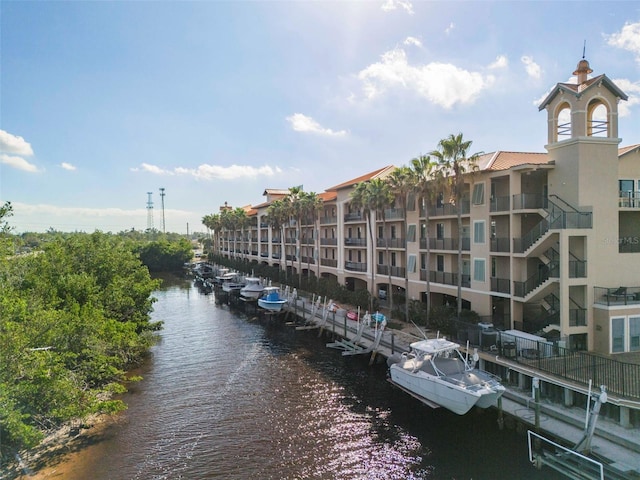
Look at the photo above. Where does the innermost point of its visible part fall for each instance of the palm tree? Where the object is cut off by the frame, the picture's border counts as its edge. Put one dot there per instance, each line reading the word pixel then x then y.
pixel 277 216
pixel 312 206
pixel 360 200
pixel 213 223
pixel 453 163
pixel 425 186
pixel 379 197
pixel 240 222
pixel 296 205
pixel 401 184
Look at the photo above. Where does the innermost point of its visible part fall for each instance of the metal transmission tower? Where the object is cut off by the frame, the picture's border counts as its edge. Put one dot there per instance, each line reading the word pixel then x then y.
pixel 149 211
pixel 162 199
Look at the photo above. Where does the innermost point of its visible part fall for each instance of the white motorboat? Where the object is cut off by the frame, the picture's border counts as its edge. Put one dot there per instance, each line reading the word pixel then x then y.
pixel 253 288
pixel 438 374
pixel 271 299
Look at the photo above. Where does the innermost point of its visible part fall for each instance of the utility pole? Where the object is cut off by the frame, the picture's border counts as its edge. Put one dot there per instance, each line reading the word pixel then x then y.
pixel 149 212
pixel 162 199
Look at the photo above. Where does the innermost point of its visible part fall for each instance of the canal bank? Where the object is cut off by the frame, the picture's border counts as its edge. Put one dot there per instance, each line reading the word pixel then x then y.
pixel 615 446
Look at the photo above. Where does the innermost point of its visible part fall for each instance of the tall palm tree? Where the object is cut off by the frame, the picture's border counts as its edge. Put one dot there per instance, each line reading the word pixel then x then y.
pixel 360 200
pixel 454 162
pixel 426 188
pixel 213 223
pixel 312 206
pixel 241 222
pixel 277 217
pixel 379 197
pixel 401 184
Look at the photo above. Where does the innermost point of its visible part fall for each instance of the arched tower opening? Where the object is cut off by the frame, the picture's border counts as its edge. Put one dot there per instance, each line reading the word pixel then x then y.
pixel 597 119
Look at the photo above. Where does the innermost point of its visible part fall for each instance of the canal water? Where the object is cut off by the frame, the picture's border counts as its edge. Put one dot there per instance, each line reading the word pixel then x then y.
pixel 228 396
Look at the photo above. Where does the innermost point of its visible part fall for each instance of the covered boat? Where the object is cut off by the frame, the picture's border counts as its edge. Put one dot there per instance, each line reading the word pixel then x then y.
pixel 253 288
pixel 271 299
pixel 437 373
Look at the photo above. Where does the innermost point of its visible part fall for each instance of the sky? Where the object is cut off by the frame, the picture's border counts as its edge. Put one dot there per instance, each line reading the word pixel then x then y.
pixel 103 103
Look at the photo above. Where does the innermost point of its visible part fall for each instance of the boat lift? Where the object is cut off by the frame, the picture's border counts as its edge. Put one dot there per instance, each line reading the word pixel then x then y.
pixel 354 347
pixel 575 462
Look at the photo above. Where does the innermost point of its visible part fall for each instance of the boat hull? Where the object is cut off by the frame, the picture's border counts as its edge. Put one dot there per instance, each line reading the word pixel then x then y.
pixel 273 306
pixel 434 389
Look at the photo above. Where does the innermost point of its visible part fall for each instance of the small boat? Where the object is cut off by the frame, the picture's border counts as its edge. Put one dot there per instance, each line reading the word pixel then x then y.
pixel 271 299
pixel 352 315
pixel 253 288
pixel 438 374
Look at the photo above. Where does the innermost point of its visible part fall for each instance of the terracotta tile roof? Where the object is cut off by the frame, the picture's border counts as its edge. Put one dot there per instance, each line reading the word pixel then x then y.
pixel 276 191
pixel 328 196
pixel 623 150
pixel 362 178
pixel 500 160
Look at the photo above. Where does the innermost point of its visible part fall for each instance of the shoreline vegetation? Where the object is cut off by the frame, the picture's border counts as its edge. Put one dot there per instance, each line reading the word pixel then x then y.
pixel 75 322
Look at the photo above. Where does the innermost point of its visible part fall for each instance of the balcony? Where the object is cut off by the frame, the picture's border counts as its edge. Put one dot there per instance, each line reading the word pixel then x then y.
pixel 500 285
pixel 391 242
pixel 328 220
pixel 355 242
pixel 353 217
pixel 329 262
pixel 499 204
pixel 445 278
pixel 448 209
pixel 500 245
pixel 394 214
pixel 328 241
pixel 445 244
pixel 392 270
pixel 355 266
pixel 629 200
pixel 616 296
pixel 529 201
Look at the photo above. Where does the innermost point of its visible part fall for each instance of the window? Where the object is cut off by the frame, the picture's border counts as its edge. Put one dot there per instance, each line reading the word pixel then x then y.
pixel 393 259
pixel 423 230
pixel 380 232
pixel 478 231
pixel 423 261
pixel 634 334
pixel 478 194
pixel 349 233
pixel 478 269
pixel 380 258
pixel 411 202
pixel 439 231
pixel 617 334
pixel 393 231
pixel 625 186
pixel 411 264
pixel 440 263
pixel 494 267
pixel 359 256
pixel 359 232
pixel 411 233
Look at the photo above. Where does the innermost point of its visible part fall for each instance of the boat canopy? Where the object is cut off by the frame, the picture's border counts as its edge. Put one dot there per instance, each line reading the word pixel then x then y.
pixel 434 345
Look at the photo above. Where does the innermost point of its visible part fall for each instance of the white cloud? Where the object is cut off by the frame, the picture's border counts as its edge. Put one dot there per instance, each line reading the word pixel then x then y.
pixel 628 39
pixel 532 68
pixel 68 166
pixel 449 28
pixel 413 41
pixel 302 123
pixel 390 5
pixel 440 83
pixel 633 91
pixel 209 172
pixel 18 163
pixel 500 62
pixel 13 144
pixel 232 172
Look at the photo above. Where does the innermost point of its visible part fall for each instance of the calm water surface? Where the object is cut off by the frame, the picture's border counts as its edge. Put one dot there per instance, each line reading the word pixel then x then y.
pixel 227 396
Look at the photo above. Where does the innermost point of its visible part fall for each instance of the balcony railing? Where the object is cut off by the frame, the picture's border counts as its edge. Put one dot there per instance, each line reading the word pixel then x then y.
pixel 355 266
pixel 577 268
pixel 328 241
pixel 629 200
pixel 445 278
pixel 522 289
pixel 393 270
pixel 616 296
pixel 391 242
pixel 501 285
pixel 500 244
pixel 355 242
pixel 394 214
pixel 499 204
pixel 328 262
pixel 448 209
pixel 529 201
pixel 328 220
pixel 445 244
pixel 353 217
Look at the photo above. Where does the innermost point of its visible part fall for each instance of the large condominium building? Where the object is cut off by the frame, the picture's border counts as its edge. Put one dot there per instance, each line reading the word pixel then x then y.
pixel 550 241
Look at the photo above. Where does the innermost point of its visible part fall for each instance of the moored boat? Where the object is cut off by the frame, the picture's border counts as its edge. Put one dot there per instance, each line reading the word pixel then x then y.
pixel 271 299
pixel 438 374
pixel 253 288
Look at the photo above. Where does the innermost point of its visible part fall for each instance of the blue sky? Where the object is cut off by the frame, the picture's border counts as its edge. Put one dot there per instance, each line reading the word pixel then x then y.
pixel 214 101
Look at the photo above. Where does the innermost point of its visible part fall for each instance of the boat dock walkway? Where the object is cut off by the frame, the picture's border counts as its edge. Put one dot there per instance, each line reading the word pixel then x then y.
pixel 614 445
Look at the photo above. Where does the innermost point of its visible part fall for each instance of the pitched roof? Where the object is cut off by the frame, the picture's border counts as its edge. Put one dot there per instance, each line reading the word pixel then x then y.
pixel 501 160
pixel 362 178
pixel 578 89
pixel 624 150
pixel 328 196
